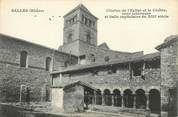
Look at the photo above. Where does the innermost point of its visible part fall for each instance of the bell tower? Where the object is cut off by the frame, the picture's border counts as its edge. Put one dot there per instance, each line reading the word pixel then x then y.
pixel 80 31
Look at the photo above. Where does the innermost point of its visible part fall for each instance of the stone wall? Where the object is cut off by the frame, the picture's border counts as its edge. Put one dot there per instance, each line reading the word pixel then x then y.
pixel 120 80
pixel 79 45
pixel 73 99
pixel 70 48
pixel 100 54
pixel 169 70
pixel 71 28
pixel 34 74
pixel 12 77
pixel 16 111
pixel 57 97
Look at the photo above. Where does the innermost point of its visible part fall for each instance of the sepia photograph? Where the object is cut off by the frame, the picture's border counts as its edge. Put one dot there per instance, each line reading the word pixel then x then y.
pixel 88 58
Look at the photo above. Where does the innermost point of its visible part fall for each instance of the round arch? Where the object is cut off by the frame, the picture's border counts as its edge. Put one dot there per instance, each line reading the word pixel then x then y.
pixel 140 99
pixel 128 98
pixel 117 98
pixel 107 97
pixel 154 101
pixel 152 87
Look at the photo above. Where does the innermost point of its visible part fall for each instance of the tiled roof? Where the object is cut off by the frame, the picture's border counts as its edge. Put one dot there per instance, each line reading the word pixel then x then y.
pixel 78 83
pixel 169 40
pixel 146 57
pixel 104 46
pixel 2 36
pixel 82 7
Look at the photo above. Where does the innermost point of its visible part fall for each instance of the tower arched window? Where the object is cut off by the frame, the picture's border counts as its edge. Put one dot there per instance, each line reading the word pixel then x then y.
pixel 86 21
pixel 92 57
pixel 23 59
pixel 90 23
pixel 48 64
pixel 69 38
pixel 83 18
pixel 93 23
pixel 88 37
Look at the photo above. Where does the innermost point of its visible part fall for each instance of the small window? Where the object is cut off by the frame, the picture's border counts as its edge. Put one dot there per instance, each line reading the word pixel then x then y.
pixel 69 38
pixel 88 37
pixel 137 69
pixel 75 18
pixel 86 21
pixel 92 57
pixel 83 18
pixel 66 63
pixel 112 71
pixel 89 23
pixel 48 64
pixel 106 58
pixel 23 59
pixel 152 64
pixel 82 59
pixel 72 20
pixel 93 24
pixel 69 21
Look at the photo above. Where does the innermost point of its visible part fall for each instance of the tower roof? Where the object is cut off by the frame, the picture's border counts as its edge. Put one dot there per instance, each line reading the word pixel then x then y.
pixel 82 7
pixel 168 41
pixel 104 46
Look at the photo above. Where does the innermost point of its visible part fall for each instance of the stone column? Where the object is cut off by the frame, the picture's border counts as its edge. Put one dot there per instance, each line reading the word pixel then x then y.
pixel 122 98
pixel 164 100
pixel 112 99
pixel 103 102
pixel 147 101
pixel 94 98
pixel 134 100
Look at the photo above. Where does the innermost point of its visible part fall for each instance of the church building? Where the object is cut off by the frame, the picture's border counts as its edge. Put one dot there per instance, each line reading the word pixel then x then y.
pixel 82 75
pixel 104 77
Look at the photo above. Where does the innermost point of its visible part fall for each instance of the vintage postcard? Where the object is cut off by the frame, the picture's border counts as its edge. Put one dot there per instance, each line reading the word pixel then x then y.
pixel 88 58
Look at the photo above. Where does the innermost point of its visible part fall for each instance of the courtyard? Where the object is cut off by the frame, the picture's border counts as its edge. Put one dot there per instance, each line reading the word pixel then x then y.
pixel 45 110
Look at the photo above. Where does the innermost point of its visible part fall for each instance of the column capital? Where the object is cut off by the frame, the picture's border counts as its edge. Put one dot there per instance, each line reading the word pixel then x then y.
pixel 146 93
pixel 121 93
pixel 134 94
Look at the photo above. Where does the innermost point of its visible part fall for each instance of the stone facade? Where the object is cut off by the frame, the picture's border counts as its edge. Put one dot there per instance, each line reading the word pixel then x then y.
pixel 79 26
pixel 34 74
pixel 58 97
pixel 169 71
pixel 157 80
pixel 80 38
pixel 121 79
pixel 73 99
pixel 134 79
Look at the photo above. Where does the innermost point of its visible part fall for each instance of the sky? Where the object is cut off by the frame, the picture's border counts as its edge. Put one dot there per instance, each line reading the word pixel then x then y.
pixel 130 35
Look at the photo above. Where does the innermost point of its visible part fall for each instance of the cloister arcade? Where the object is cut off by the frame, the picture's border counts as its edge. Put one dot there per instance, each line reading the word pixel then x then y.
pixel 139 99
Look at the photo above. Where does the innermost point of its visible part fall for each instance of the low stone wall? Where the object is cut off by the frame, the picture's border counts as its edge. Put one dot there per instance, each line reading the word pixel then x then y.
pixel 12 111
pixel 135 112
